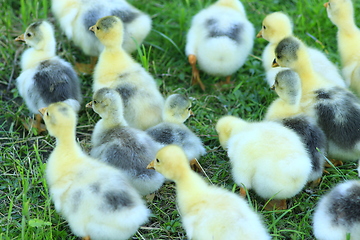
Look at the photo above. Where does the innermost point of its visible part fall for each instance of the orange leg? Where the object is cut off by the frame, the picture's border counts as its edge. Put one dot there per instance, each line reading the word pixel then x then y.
pixel 242 192
pixel 276 204
pixel 195 78
pixel 86 238
pixel 315 183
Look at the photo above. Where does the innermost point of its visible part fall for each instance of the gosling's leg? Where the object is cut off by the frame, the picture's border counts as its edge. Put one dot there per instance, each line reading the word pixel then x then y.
pixel 242 192
pixel 195 78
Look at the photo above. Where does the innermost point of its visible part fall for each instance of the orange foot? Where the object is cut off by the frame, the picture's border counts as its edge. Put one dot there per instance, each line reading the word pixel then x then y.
pixel 195 165
pixel 195 78
pixel 34 124
pixel 334 162
pixel 86 68
pixel 86 238
pixel 276 204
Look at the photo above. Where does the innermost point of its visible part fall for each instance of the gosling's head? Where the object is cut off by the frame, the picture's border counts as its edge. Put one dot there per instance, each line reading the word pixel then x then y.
pixel 339 10
pixel 171 162
pixel 108 104
pixel 39 35
pixel 227 126
pixel 177 108
pixel 289 52
pixel 288 86
pixel 109 30
pixel 60 119
pixel 275 27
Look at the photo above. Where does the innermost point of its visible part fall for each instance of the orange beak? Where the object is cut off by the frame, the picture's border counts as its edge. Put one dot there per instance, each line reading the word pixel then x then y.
pixel 89 105
pixel 326 4
pixel 42 111
pixel 275 64
pixel 151 165
pixel 272 87
pixel 259 35
pixel 20 38
pixel 92 28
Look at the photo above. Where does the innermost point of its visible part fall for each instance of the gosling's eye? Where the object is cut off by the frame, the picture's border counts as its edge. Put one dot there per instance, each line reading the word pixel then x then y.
pixel 189 108
pixel 29 34
pixel 157 160
pixel 97 28
pixel 264 27
pixel 47 113
pixel 95 102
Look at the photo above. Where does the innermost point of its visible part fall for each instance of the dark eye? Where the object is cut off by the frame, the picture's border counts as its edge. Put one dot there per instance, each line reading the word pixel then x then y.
pixel 47 113
pixel 157 160
pixel 95 102
pixel 264 27
pixel 189 108
pixel 97 28
pixel 28 34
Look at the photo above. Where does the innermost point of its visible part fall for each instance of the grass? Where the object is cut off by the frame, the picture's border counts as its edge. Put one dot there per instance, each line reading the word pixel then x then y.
pixel 26 212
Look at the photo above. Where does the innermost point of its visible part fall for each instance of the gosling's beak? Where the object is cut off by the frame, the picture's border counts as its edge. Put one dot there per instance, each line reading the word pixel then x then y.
pixel 272 87
pixel 42 111
pixel 89 105
pixel 92 28
pixel 151 165
pixel 20 38
pixel 275 64
pixel 191 113
pixel 326 4
pixel 259 35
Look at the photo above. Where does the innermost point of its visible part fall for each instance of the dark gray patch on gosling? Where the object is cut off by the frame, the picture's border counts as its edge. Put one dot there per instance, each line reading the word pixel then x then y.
pixel 90 17
pixel 126 16
pixel 127 91
pixel 233 32
pixel 313 138
pixel 107 22
pixel 95 188
pixel 117 200
pixel 76 198
pixel 345 207
pixel 55 82
pixel 287 49
pixel 168 134
pixel 124 151
pixel 338 112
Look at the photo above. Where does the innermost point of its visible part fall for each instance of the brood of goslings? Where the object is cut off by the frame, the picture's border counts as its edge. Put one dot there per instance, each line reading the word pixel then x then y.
pixel 336 109
pixel 45 78
pixel 286 110
pixel 277 26
pixel 76 16
pixel 341 13
pixel 207 212
pixel 220 39
pixel 172 130
pixel 126 148
pixel 265 156
pixel 143 102
pixel 96 199
pixel 337 214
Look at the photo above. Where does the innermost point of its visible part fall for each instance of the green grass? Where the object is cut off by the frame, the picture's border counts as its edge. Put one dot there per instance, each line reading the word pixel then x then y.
pixel 26 212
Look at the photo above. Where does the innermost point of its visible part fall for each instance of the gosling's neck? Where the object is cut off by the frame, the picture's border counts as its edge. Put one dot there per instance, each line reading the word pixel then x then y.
pixel 32 56
pixel 173 118
pixel 113 119
pixel 66 141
